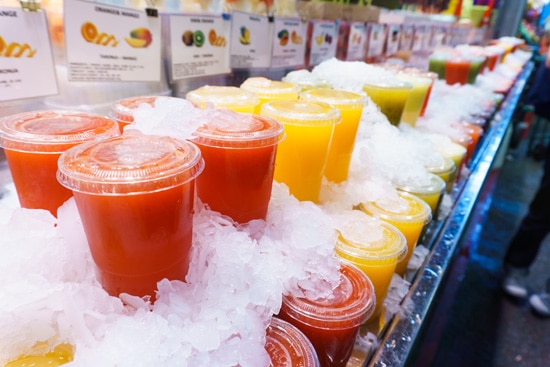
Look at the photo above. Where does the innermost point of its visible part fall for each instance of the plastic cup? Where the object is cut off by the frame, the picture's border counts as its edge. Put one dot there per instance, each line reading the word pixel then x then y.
pixel 417 96
pixel 446 170
pixel 373 246
pixel 456 152
pixel 302 156
pixel 270 90
pixel 305 80
pixel 474 131
pixel 456 70
pixel 350 106
pixel 287 346
pixel 38 357
pixel 33 142
pixel 409 214
pixel 231 98
pixel 476 66
pixel 135 195
pixel 436 64
pixel 122 110
pixel 239 152
pixel 332 323
pixel 390 97
pixel 430 191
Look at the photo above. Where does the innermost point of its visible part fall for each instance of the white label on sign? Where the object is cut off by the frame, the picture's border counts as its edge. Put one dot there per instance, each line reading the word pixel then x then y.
pixel 392 42
pixel 377 39
pixel 289 42
pixel 357 42
pixel 250 47
pixel 324 39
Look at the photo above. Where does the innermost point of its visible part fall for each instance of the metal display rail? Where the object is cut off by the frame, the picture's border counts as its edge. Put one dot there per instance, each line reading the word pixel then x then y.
pixel 398 339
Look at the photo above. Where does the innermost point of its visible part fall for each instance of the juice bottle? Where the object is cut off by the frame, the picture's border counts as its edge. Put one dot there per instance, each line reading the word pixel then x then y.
pixel 287 346
pixel 239 152
pixel 232 98
pixel 350 106
pixel 332 323
pixel 408 213
pixel 390 96
pixel 302 155
pixel 373 246
pixel 135 195
pixel 33 142
pixel 270 90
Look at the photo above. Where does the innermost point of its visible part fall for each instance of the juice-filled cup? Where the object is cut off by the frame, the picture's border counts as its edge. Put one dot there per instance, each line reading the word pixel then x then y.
pixel 477 63
pixel 436 64
pixel 419 92
pixel 302 155
pixel 456 70
pixel 456 152
pixel 390 96
pixel 305 80
pixel 430 190
pixel 287 346
pixel 231 98
pixel 33 142
pixel 135 196
pixel 38 357
pixel 122 110
pixel 332 323
pixel 373 246
pixel 446 170
pixel 407 213
pixel 350 106
pixel 474 131
pixel 270 90
pixel 239 153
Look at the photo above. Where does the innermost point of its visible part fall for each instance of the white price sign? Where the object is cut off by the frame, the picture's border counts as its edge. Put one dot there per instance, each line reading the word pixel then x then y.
pixel 249 45
pixel 289 42
pixel 357 42
pixel 324 40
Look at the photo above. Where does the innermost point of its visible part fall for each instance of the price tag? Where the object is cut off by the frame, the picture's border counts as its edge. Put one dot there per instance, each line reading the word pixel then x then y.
pixel 199 45
pixel 376 39
pixel 407 38
pixel 392 42
pixel 249 45
pixel 26 60
pixel 289 42
pixel 323 42
pixel 357 42
pixel 107 43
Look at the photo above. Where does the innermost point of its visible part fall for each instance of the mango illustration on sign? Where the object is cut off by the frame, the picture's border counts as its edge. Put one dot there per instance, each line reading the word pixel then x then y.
pixel 297 40
pixel 15 49
pixel 245 36
pixel 139 38
pixel 216 40
pixel 283 37
pixel 191 38
pixel 91 34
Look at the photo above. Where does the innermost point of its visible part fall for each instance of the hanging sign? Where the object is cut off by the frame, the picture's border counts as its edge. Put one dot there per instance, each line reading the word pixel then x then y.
pixel 107 43
pixel 407 37
pixel 289 42
pixel 26 61
pixel 249 45
pixel 392 41
pixel 357 42
pixel 323 41
pixel 376 39
pixel 198 46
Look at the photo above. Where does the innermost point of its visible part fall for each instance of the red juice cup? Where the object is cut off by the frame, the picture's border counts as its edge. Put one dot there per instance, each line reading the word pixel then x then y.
pixel 332 323
pixel 456 70
pixel 239 152
pixel 33 142
pixel 122 111
pixel 287 346
pixel 135 196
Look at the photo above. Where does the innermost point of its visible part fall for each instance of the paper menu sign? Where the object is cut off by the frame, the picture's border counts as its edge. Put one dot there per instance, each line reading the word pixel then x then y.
pixel 289 42
pixel 323 42
pixel 392 41
pixel 376 39
pixel 250 47
pixel 107 43
pixel 26 61
pixel 407 36
pixel 357 41
pixel 199 46
pixel 420 34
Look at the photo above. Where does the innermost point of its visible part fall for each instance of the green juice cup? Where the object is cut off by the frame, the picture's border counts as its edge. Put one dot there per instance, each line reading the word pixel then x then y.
pixel 390 96
pixel 415 101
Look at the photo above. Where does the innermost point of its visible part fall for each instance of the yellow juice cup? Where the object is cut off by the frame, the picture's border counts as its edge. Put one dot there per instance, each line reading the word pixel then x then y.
pixel 231 98
pixel 305 80
pixel 373 246
pixel 38 357
pixel 416 98
pixel 302 155
pixel 446 170
pixel 431 191
pixel 390 97
pixel 350 106
pixel 454 151
pixel 270 90
pixel 408 213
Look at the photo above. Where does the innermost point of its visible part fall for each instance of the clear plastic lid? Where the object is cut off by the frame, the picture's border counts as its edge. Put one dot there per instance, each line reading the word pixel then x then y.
pixel 287 346
pixel 335 97
pixel 445 165
pixel 367 238
pixel 264 87
pixel 414 79
pixel 434 185
pixel 132 163
pixel 405 208
pixel 53 131
pixel 123 109
pixel 301 112
pixel 222 97
pixel 388 83
pixel 350 304
pixel 230 129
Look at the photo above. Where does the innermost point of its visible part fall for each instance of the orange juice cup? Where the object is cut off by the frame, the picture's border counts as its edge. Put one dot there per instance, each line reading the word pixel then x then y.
pixel 38 356
pixel 415 101
pixel 288 346
pixel 446 170
pixel 350 106
pixel 409 214
pixel 135 195
pixel 332 323
pixel 456 70
pixel 123 110
pixel 239 152
pixel 373 246
pixel 33 142
pixel 302 155
pixel 270 90
pixel 231 98
pixel 431 191
pixel 474 131
pixel 390 97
